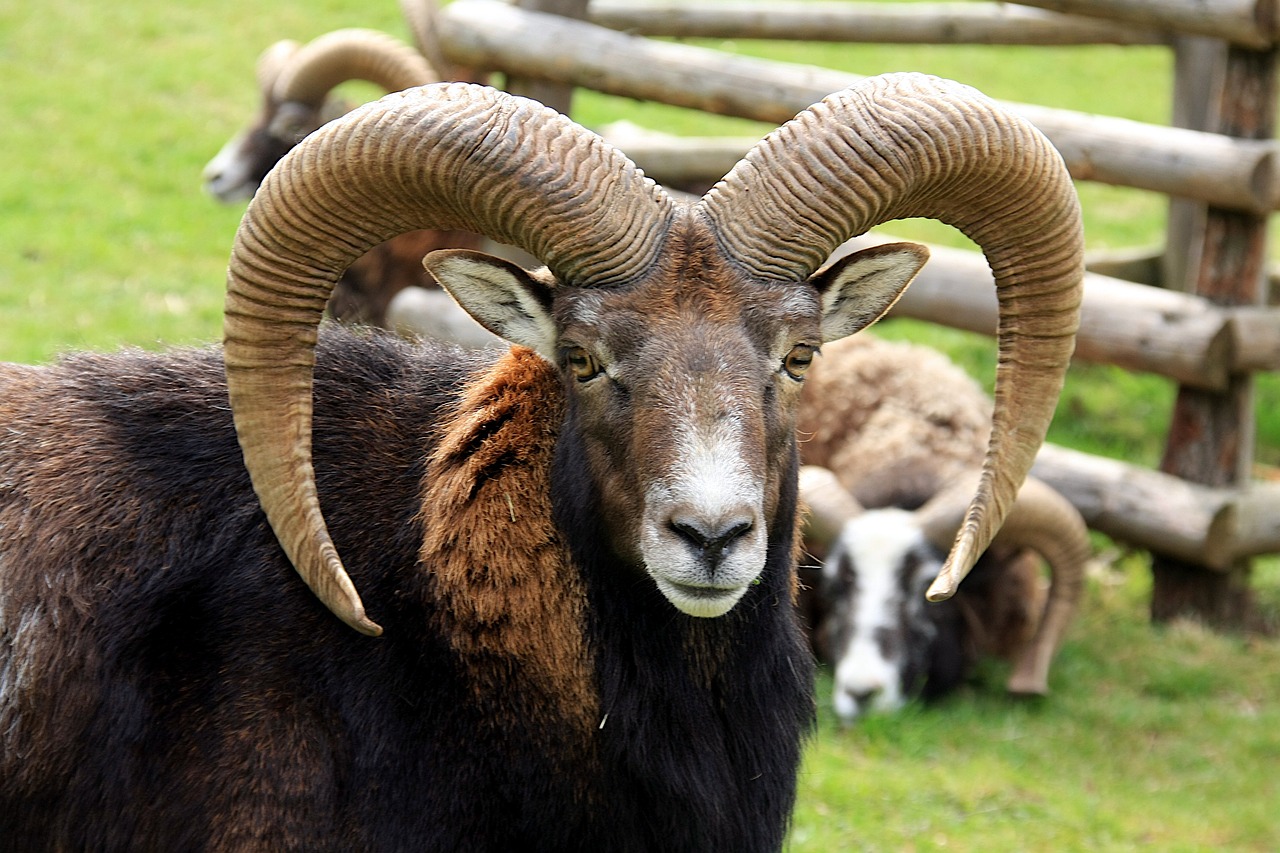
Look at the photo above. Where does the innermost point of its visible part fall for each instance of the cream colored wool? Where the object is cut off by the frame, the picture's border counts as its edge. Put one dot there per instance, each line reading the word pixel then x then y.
pixel 872 409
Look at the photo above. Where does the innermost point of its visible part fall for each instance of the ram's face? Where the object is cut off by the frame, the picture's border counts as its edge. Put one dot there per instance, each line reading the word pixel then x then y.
pixel 874 579
pixel 684 394
pixel 683 389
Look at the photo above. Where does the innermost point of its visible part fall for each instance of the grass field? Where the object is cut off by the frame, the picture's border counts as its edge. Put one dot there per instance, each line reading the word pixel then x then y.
pixel 1155 738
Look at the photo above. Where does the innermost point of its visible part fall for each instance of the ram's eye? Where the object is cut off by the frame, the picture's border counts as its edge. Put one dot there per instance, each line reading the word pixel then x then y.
pixel 582 364
pixel 798 361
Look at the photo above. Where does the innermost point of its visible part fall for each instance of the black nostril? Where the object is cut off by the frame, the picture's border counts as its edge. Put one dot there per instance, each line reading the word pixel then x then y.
pixel 689 533
pixel 711 543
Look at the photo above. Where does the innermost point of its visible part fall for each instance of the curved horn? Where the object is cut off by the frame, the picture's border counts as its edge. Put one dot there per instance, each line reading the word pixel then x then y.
pixel 272 61
pixel 829 506
pixel 354 54
pixel 905 145
pixel 1043 521
pixel 445 156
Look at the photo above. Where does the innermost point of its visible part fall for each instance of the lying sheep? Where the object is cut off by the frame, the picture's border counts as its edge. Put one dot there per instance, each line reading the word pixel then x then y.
pixel 580 553
pixel 896 426
pixel 296 84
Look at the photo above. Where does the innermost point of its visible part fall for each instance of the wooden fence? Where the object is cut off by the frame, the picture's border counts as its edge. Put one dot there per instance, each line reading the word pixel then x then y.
pixel 1208 328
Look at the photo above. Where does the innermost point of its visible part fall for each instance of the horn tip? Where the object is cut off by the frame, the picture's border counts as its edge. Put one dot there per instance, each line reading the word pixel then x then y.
pixel 350 609
pixel 339 594
pixel 365 625
pixel 953 571
pixel 1027 685
pixel 943 586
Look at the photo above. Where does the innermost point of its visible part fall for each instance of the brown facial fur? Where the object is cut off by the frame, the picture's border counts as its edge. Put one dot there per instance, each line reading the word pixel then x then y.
pixel 701 329
pixel 508 588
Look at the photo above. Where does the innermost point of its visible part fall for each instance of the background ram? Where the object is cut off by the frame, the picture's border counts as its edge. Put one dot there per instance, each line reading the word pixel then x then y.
pixel 296 84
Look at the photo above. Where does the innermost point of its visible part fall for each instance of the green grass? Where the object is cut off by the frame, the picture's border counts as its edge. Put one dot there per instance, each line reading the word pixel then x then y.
pixel 1156 739
pixel 1160 739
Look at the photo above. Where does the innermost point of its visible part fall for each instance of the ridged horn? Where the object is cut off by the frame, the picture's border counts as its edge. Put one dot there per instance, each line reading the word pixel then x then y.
pixel 829 506
pixel 329 60
pixel 447 156
pixel 1043 521
pixel 911 145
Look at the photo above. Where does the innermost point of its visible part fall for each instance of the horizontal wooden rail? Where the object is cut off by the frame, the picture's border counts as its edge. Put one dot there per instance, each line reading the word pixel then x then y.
pixel 1216 169
pixel 1248 23
pixel 1212 527
pixel 874 23
pixel 1167 333
pixel 677 160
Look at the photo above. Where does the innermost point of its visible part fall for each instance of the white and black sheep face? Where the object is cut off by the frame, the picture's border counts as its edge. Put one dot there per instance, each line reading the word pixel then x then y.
pixel 877 632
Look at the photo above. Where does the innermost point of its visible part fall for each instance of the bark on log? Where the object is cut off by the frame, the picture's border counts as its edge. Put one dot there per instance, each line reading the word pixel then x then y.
pixel 1248 23
pixel 1203 525
pixel 678 160
pixel 1140 265
pixel 1255 338
pixel 872 23
pixel 1233 174
pixel 1136 327
pixel 1211 435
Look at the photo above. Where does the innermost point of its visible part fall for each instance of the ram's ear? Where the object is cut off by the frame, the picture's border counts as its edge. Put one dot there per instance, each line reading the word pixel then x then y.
pixel 501 296
pixel 857 290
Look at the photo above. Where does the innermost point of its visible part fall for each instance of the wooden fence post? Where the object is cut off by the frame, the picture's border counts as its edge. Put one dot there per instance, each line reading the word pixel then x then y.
pixel 1199 63
pixel 1211 434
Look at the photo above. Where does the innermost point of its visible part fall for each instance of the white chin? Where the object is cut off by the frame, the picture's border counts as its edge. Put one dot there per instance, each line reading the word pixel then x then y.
pixel 847 708
pixel 703 602
pixel 232 195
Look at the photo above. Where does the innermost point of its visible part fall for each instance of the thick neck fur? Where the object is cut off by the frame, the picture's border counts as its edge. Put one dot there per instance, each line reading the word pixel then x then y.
pixel 179 688
pixel 702 716
pixel 512 603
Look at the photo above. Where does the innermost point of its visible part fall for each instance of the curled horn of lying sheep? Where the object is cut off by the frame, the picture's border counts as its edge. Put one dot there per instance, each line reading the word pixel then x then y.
pixel 898 146
pixel 885 643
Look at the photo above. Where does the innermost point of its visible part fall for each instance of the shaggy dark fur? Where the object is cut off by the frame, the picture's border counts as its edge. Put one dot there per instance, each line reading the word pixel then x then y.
pixel 167 682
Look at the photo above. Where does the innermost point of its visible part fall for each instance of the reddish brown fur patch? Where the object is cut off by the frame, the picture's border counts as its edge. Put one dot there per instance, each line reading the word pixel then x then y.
pixel 513 600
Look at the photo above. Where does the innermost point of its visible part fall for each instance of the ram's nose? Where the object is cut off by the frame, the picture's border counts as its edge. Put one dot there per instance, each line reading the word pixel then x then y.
pixel 711 538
